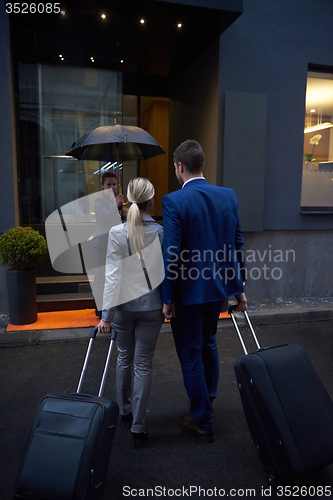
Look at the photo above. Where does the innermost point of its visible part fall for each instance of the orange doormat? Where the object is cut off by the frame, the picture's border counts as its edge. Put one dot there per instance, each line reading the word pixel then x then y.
pixel 56 320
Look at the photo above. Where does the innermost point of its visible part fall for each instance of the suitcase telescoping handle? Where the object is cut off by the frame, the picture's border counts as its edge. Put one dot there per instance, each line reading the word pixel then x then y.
pixel 107 362
pixel 231 311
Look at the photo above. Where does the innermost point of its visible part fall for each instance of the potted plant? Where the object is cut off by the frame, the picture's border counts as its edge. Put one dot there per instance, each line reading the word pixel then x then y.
pixel 21 248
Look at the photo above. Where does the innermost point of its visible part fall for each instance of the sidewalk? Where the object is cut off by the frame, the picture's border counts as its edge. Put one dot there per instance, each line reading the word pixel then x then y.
pixel 172 461
pixel 261 312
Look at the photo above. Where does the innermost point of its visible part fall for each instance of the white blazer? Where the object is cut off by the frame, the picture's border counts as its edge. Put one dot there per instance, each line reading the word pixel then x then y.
pixel 126 285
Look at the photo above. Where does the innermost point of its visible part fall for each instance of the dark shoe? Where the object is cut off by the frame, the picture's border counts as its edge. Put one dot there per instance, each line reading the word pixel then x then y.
pixel 127 419
pixel 139 438
pixel 189 425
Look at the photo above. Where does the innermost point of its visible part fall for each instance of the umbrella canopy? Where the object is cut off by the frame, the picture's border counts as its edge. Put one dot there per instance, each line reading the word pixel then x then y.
pixel 116 143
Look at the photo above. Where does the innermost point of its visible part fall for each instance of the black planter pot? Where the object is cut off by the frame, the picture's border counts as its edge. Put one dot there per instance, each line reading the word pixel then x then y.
pixel 21 286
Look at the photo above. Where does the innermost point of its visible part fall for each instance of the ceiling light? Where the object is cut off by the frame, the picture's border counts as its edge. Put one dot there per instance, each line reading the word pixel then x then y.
pixel 142 21
pixel 103 16
pixel 312 110
pixel 320 126
pixel 179 25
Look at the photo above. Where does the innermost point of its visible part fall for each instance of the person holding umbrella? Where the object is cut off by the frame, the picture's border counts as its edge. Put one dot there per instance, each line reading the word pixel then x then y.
pixel 103 206
pixel 116 143
pixel 137 321
pixel 109 182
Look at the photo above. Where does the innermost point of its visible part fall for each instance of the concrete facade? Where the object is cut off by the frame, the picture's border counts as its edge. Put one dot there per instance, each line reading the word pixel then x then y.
pixel 266 52
pixel 289 264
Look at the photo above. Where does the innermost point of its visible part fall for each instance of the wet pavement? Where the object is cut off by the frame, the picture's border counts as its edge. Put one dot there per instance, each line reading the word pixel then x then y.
pixel 173 464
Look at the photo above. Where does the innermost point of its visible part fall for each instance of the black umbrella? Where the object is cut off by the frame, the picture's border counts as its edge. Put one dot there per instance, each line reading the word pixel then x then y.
pixel 116 143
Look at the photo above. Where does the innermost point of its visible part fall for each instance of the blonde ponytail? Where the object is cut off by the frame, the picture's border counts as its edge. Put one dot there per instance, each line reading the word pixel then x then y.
pixel 139 191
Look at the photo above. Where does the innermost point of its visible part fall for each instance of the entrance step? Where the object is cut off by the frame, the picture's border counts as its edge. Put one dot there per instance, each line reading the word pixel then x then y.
pixel 63 293
pixel 64 302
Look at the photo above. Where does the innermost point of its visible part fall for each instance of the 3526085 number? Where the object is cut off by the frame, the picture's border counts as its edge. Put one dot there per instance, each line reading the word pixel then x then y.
pixel 33 8
pixel 303 491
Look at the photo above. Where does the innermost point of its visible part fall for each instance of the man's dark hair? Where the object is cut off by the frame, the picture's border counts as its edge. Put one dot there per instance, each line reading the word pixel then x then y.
pixel 191 155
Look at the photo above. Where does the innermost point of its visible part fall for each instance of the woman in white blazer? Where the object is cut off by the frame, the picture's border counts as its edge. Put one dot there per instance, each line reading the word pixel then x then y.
pixel 132 302
pixel 105 214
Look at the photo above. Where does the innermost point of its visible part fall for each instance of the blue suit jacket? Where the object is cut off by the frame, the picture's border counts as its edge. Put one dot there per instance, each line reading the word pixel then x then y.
pixel 203 244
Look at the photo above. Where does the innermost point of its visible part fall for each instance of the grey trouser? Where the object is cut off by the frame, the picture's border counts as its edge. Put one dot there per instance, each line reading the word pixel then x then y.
pixel 137 352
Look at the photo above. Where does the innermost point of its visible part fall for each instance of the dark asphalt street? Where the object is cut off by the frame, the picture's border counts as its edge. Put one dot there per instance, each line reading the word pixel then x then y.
pixel 172 464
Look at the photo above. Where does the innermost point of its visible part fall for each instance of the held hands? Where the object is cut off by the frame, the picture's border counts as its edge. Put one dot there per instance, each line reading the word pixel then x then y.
pixel 104 327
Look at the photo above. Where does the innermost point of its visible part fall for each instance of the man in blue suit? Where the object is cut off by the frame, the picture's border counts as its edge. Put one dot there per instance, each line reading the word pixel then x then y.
pixel 204 265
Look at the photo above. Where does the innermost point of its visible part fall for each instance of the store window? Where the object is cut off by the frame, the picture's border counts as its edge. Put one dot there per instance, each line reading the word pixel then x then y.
pixel 317 177
pixel 57 105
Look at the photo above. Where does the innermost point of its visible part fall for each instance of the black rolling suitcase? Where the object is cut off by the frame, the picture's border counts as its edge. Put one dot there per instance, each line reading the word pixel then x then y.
pixel 68 450
pixel 288 410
